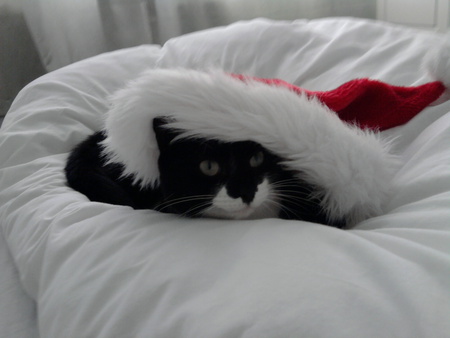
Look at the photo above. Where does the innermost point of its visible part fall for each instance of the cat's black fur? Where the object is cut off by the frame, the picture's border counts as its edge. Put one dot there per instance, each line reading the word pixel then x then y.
pixel 183 188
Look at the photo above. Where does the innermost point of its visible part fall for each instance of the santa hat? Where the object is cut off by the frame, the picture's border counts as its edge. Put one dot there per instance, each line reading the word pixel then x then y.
pixel 350 166
pixel 369 103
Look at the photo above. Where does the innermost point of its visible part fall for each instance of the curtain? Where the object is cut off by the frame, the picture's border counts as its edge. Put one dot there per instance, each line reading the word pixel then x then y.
pixel 128 23
pixel 66 31
pixel 176 17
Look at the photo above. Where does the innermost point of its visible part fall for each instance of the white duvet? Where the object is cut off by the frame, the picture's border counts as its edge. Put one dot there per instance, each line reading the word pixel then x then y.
pixel 98 270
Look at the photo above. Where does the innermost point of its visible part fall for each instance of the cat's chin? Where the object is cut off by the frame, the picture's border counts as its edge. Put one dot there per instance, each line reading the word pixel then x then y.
pixel 226 207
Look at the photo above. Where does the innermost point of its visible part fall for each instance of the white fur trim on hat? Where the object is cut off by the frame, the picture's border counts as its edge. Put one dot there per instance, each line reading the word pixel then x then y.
pixel 352 168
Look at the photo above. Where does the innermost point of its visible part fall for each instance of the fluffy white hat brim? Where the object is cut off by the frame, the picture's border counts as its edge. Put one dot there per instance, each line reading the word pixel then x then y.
pixel 352 168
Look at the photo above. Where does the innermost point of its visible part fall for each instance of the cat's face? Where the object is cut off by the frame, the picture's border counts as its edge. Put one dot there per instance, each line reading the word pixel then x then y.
pixel 239 180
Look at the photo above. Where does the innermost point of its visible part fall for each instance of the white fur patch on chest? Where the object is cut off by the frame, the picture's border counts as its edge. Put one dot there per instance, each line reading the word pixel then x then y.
pixel 262 206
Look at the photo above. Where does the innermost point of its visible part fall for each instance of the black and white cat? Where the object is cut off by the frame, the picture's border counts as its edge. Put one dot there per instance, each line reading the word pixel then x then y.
pixel 199 178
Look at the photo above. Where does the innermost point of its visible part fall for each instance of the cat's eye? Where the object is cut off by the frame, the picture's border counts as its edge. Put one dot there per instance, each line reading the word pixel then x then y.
pixel 257 159
pixel 209 168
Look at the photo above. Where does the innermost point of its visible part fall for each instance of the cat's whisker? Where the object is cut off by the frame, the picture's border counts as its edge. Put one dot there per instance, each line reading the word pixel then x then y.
pixel 293 192
pixel 273 202
pixel 293 186
pixel 167 206
pixel 295 180
pixel 201 207
pixel 280 206
pixel 288 180
pixel 184 198
pixel 289 208
pixel 293 198
pixel 172 202
pixel 297 202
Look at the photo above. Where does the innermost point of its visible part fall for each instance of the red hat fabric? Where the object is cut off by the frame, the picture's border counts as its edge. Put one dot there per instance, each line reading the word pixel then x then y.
pixel 370 103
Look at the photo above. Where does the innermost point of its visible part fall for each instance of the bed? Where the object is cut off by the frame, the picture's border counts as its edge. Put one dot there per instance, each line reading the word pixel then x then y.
pixel 75 268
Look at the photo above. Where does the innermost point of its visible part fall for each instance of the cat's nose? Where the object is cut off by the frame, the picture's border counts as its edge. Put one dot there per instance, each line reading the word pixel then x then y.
pixel 236 190
pixel 247 197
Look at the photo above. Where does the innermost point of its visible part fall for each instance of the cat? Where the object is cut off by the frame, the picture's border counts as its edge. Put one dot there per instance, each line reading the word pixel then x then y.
pixel 199 178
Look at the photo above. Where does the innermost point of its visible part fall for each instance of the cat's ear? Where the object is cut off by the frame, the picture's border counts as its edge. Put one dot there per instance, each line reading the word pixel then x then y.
pixel 163 134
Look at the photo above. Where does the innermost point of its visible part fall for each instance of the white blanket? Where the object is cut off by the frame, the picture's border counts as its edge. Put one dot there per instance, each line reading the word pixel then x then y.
pixel 98 270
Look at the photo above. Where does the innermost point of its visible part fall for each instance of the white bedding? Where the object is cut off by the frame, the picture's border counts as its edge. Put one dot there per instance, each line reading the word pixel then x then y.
pixel 98 270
